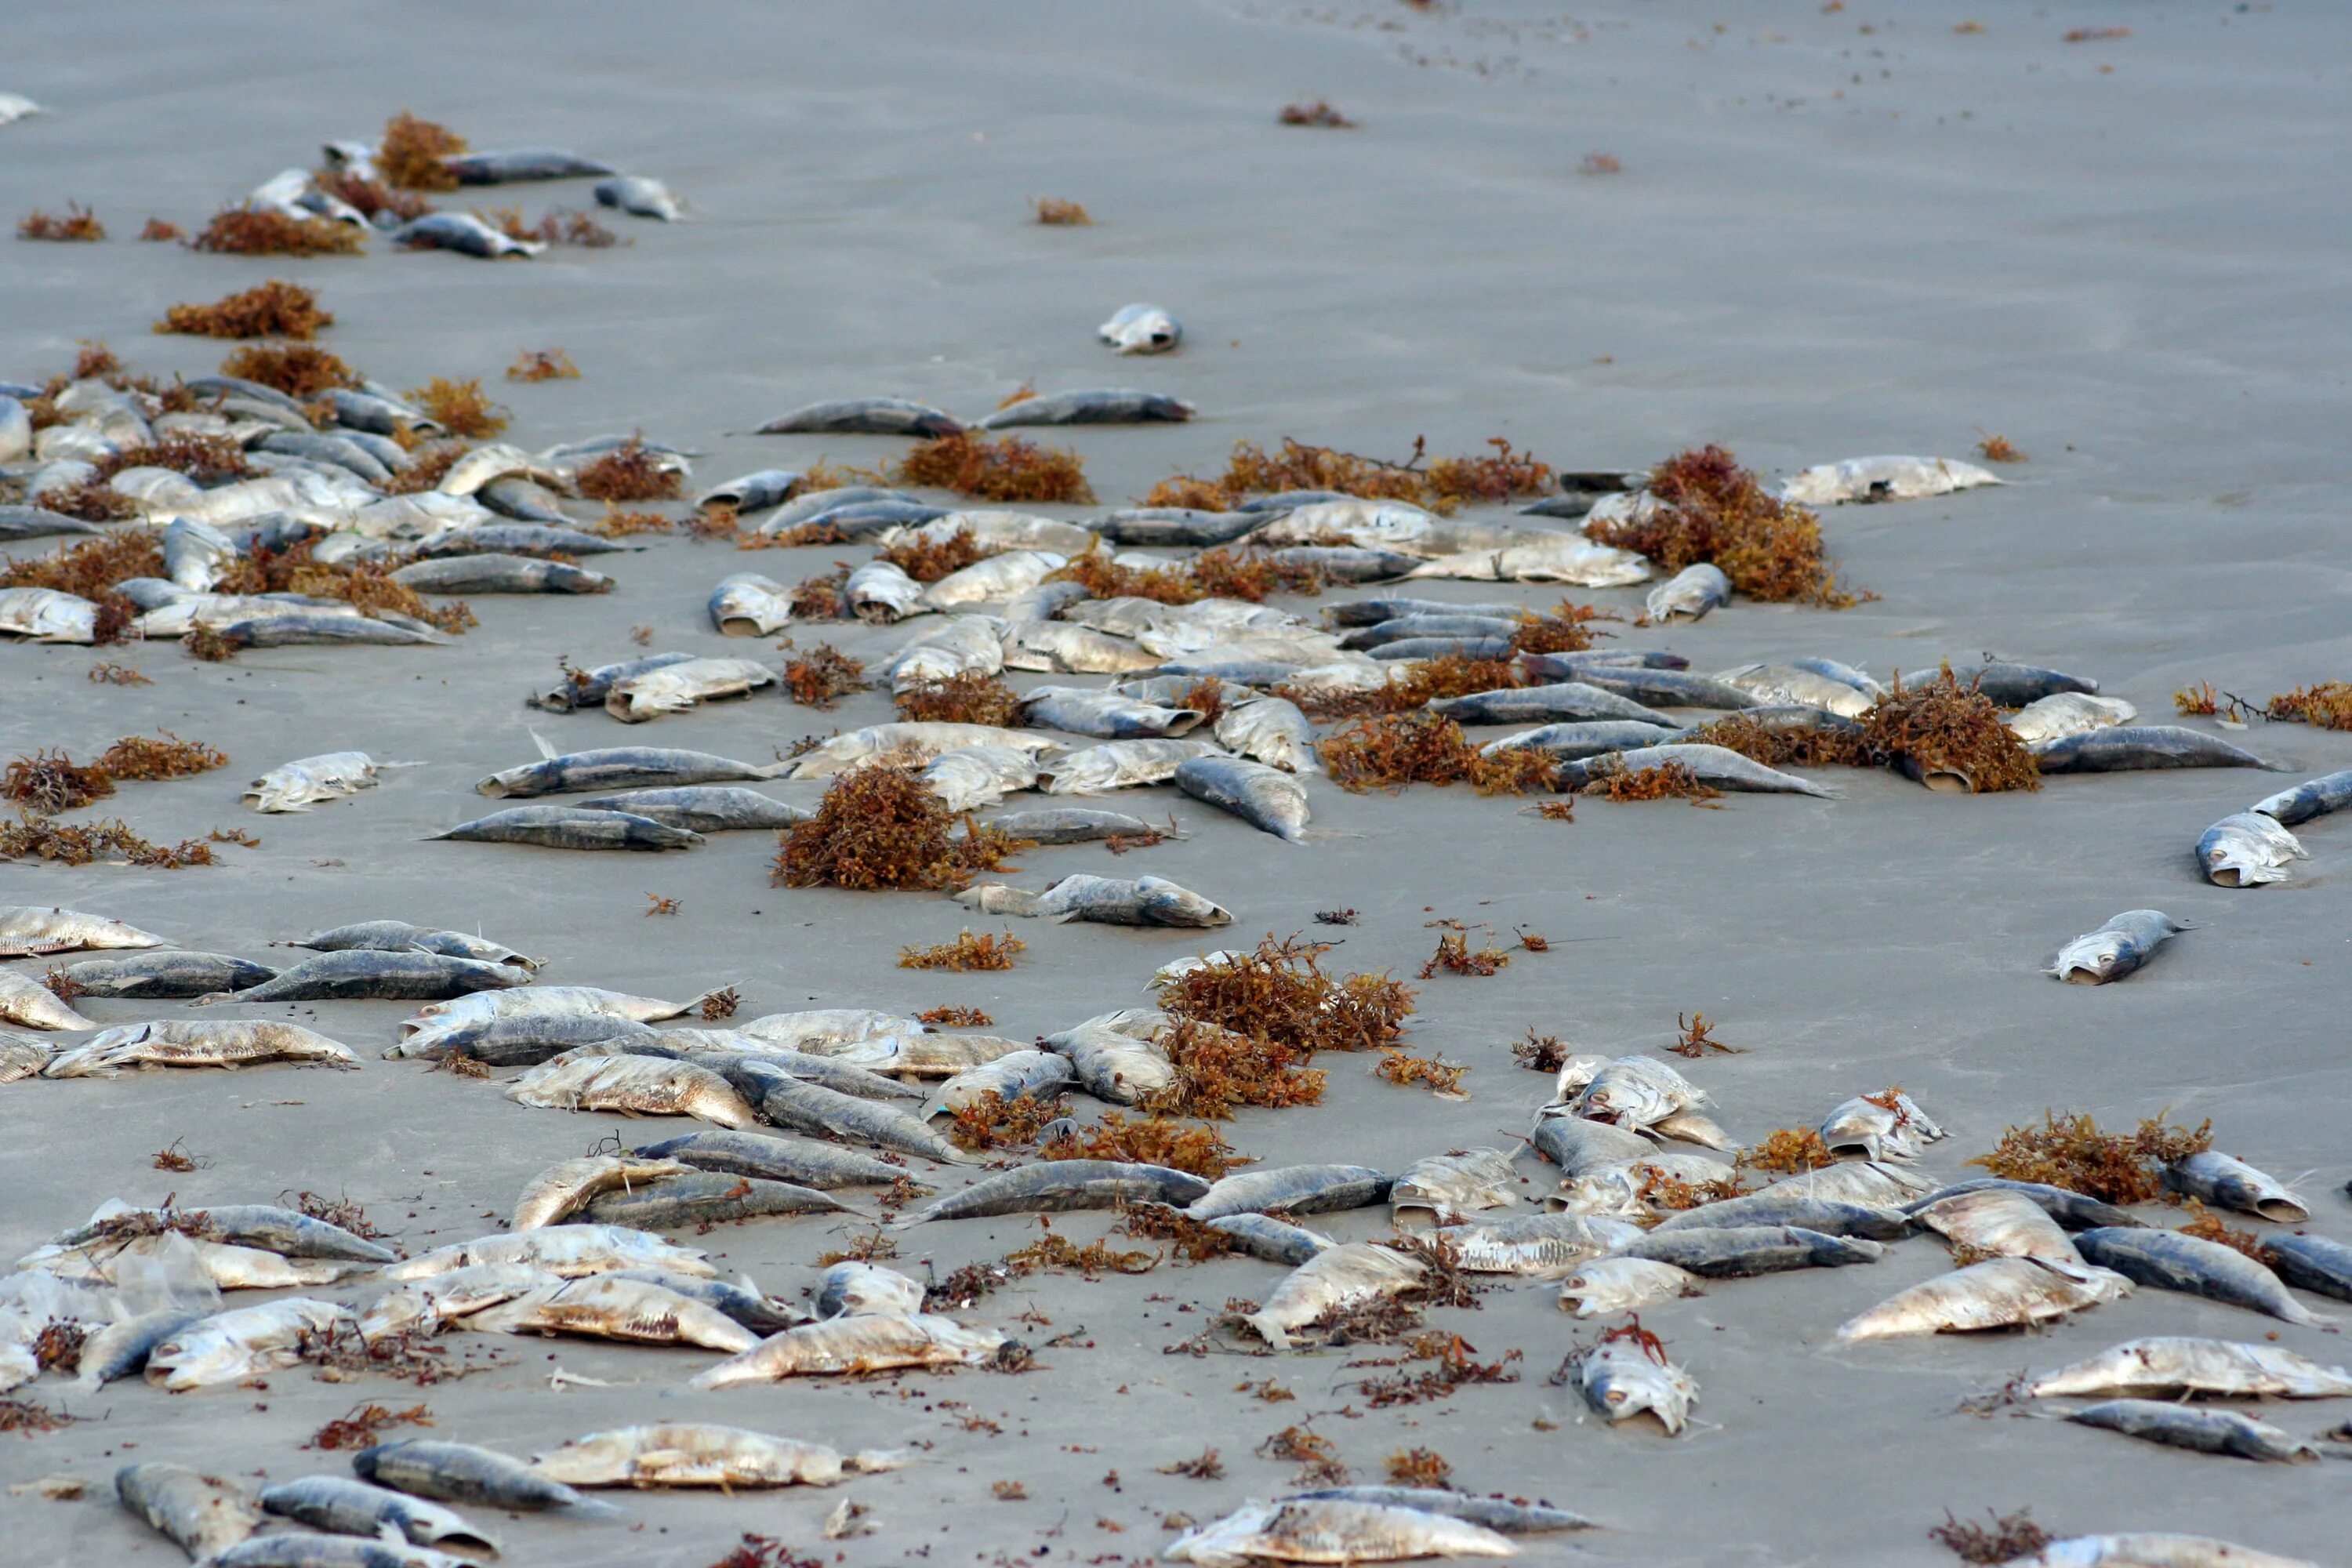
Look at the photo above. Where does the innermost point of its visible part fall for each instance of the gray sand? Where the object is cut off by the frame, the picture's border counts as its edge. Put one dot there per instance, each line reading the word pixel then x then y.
pixel 1828 241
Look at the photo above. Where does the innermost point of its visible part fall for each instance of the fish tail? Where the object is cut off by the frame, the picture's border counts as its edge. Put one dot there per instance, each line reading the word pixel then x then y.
pixel 596 1508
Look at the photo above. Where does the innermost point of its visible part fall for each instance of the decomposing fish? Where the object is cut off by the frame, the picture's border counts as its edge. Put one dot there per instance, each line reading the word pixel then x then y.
pixel 2071 1209
pixel 33 930
pixel 805 1106
pixel 979 776
pixel 1787 686
pixel 2130 748
pixel 918 1054
pixel 755 492
pixel 196 1043
pixel 319 627
pixel 1786 1206
pixel 1080 711
pixel 427 1305
pixel 2152 1550
pixel 21 1057
pixel 2116 949
pixel 541 540
pixel 1292 1190
pixel 1074 824
pixel 413 976
pixel 1879 1183
pixel 305 782
pixel 868 1343
pixel 288 1232
pixel 702 808
pixel 1452 1186
pixel 1888 1126
pixel 2178 1367
pixel 1999 1293
pixel 2006 685
pixel 853 1288
pixel 568 826
pixel 1267 798
pixel 1107 407
pixel 2315 797
pixel 1113 1065
pixel 246 1341
pixel 2063 713
pixel 1277 1241
pixel 1016 1075
pixel 2312 1263
pixel 1146 902
pixel 1060 646
pixel 1999 1223
pixel 1690 594
pixel 1618 1284
pixel 1062 1184
pixel 1558 702
pixel 120 1348
pixel 709 1197
pixel 2168 1260
pixel 639 195
pixel 1659 687
pixel 910 743
pixel 202 1514
pixel 1355 1274
pixel 1882 480
pixel 606 1307
pixel 992 580
pixel 463 232
pixel 622 767
pixel 967 645
pixel 2207 1431
pixel 572 1251
pixel 342 1505
pixel 48 615
pixel 1579 1145
pixel 1330 1530
pixel 817 1028
pixel 2216 1178
pixel 459 1472
pixel 226 1266
pixel 635 1086
pixel 754 1066
pixel 1718 767
pixel 700 1454
pixel 563 1190
pixel 1426 625
pixel 509 165
pixel 675 687
pixel 2246 849
pixel 1121 765
pixel 492 572
pixel 1537 1247
pixel 27 1001
pixel 1735 1253
pixel 1140 330
pixel 1272 730
pixel 863 417
pixel 37 521
pixel 1621 1377
pixel 880 592
pixel 1503 1516
pixel 541 1001
pixel 744 1303
pixel 747 604
pixel 1637 1092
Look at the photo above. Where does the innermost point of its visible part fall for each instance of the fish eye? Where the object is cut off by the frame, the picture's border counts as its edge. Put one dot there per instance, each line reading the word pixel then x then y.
pixel 1615 1397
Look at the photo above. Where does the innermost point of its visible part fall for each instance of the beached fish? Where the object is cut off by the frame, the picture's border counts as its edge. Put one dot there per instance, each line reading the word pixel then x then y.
pixel 853 1289
pixel 427 1305
pixel 959 646
pixel 2064 713
pixel 979 776
pixel 1659 687
pixel 120 1348
pixel 2173 1367
pixel 639 195
pixel 1621 1378
pixel 568 826
pixel 1080 711
pixel 813 504
pixel 1109 406
pixel 511 164
pixel 2246 849
pixel 2312 1263
pixel 1690 594
pixel 2168 1260
pixel 1999 1223
pixel 992 581
pixel 2152 1550
pixel 24 1000
pixel 1292 1190
pixel 816 1028
pixel 1172 527
pixel 226 1266
pixel 1058 1186
pixel 463 232
pixel 572 1251
pixel 1503 1516
pixel 1730 1254
pixel 33 930
pixel 1075 824
pixel 1420 626
pixel 635 1086
pixel 542 540
pixel 493 573
pixel 1331 1529
pixel 858 1345
pixel 1888 1126
pixel 1063 648
pixel 324 629
pixel 1782 685
pixel 563 1190
pixel 701 1455
pixel 702 808
pixel 288 1232
pixel 1277 1241
pixel 881 593
pixel 1267 798
pixel 47 615
pixel 863 417
pixel 248 1341
pixel 1140 330
pixel 709 1197
pixel 1016 1075
pixel 1541 558
pixel 1271 730
pixel 352 972
pixel 761 1155
pixel 1879 1183
pixel 342 1505
pixel 1453 1185
pixel 1619 1284
pixel 1637 1092
pixel 1882 480
pixel 622 767
pixel 606 1307
pixel 1558 702
pixel 1354 1275
pixel 1715 766
pixel 2225 1180
pixel 2116 949
pixel 1146 902
pixel 742 1302
pixel 2186 1426
pixel 1535 1247
pixel 2315 797
pixel 917 1053
pixel 747 604
pixel 37 521
pixel 1999 1293
pixel 1588 738
pixel 915 742
pixel 21 1057
pixel 815 1109
pixel 675 687
pixel 196 1043
pixel 755 492
pixel 459 1472
pixel 1579 1145
pixel 2126 748
pixel 1114 1065
pixel 307 780
pixel 202 1514
pixel 1122 765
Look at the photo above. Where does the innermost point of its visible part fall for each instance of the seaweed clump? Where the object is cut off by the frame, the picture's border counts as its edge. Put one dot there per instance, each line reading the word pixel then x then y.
pixel 2070 1151
pixel 1148 1140
pixel 879 825
pixel 966 698
pixel 1217 573
pixel 79 844
pixel 1947 735
pixel 1419 747
pixel 78 225
pixel 159 231
pixel 1449 675
pixel 1218 1069
pixel 239 231
pixel 629 473
pixel 989 1120
pixel 1280 992
pixel 1455 955
pixel 1441 483
pixel 2327 706
pixel 1443 1078
pixel 1789 1151
pixel 414 154
pixel 140 757
pixel 1818 746
pixel 91 501
pixel 462 408
pixel 927 560
pixel 372 197
pixel 1059 211
pixel 966 953
pixel 2006 1539
pixel 543 365
pixel 298 370
pixel 1667 781
pixel 1708 507
pixel 273 309
pixel 822 677
pixel 1004 469
pixel 50 782
pixel 1320 112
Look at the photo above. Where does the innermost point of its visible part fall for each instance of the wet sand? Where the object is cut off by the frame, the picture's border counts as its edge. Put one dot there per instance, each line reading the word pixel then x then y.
pixel 1826 240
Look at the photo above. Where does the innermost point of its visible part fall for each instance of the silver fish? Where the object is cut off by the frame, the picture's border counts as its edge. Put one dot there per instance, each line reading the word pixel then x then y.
pixel 1537 1247
pixel 2312 1263
pixel 202 1514
pixel 1017 1075
pixel 343 1506
pixel 1997 1221
pixel 1057 645
pixel 2315 797
pixel 190 1043
pixel 563 1190
pixel 2153 1550
pixel 1121 765
pixel 637 1086
pixel 463 232
pixel 1272 730
pixel 622 767
pixel 1498 1514
pixel 709 1197
pixel 38 930
pixel 1084 712
pixel 2128 748
pixel 554 826
pixel 744 1303
pixel 2070 1209
pixel 21 1057
pixel 853 1289
pixel 675 687
pixel 2116 949
pixel 979 776
pixel 1074 824
pixel 1140 330
pixel 27 1002
pixel 1353 1275
pixel 1715 766
pixel 1058 1186
pixel 1117 407
pixel 1579 1146
pixel 912 743
pixel 1453 1185
pixel 1292 1190
pixel 1690 594
pixel 747 604
pixel 1730 1254
pixel 1659 687
pixel 1146 902
pixel 1603 1285
pixel 639 196
pixel 1622 1378
pixel 1326 1530
pixel 2179 1368
pixel 510 164
pixel 1560 703
pixel 700 1454
pixel 1882 480
pixel 865 416
pixel 1275 1240
pixel 2183 1427
pixel 541 540
pixel 755 492
pixel 1778 1205
pixel 1864 1126
pixel 1999 1293
pixel 120 1349
pixel 47 615
pixel 248 1341
pixel 2246 849
pixel 305 782
pixel 607 1306
pixel 492 573
pixel 1781 685
pixel 572 1251
pixel 415 976
pixel 288 1232
pixel 1267 798
pixel 2168 1261
pixel 2230 1182
pixel 813 1108
pixel 2064 713
pixel 872 1342
pixel 459 1472
pixel 702 808
pixel 431 1304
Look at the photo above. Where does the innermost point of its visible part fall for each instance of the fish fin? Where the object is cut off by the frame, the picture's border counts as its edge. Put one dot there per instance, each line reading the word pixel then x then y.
pixel 547 751
pixel 593 1507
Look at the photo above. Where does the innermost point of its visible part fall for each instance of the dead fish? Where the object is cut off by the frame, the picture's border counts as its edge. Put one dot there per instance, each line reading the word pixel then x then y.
pixel 1271 730
pixel 755 492
pixel 191 1043
pixel 1455 1184
pixel 120 1349
pixel 1146 902
pixel 1621 1378
pixel 702 808
pixel 1690 594
pixel 1347 563
pixel 2229 1181
pixel 383 975
pixel 1058 1185
pixel 606 1307
pixel 399 936
pixel 979 776
pixel 912 743
pixel 993 581
pixel 635 1086
pixel 1659 687
pixel 816 1028
pixel 1999 1293
pixel 2171 1367
pixel 202 1514
pixel 530 539
pixel 2063 713
pixel 1637 1092
pixel 1541 557
pixel 1277 1241
pixel 1882 480
pixel 853 1289
pixel 747 604
pixel 459 1472
pixel 709 1197
pixel 1063 648
pixel 1776 1207
pixel 700 1454
pixel 1572 741
pixel 47 615
pixel 639 195
pixel 35 522
pixel 2127 748
pixel 2116 949
pixel 1537 1247
pixel 1121 765
pixel 1498 1514
pixel 287 1232
pixel 856 1345
pixel 2312 1263
pixel 1616 1284
pixel 1692 1127
pixel 2168 1261
pixel 527 500
pixel 33 930
pixel 2246 849
pixel 1415 627
pixel 428 1305
pixel 225 1267
pixel 1715 766
pixel 1292 1190
pixel 2150 1551
pixel 2315 797
pixel 1876 1131
pixel 2184 1426
pixel 1561 701
pixel 676 688
pixel 865 416
pixel 1874 1181
pixel 769 1157
pixel 1114 1067
pixel 1326 1530
pixel 1113 407
pixel 21 1057
pixel 1083 712
pixel 622 767
pixel 1782 685
pixel 1017 1075
pixel 508 165
pixel 587 688
pixel 1999 1223
pixel 1353 1275
pixel 27 1002
pixel 492 573
pixel 343 1506
pixel 305 782
pixel 463 232
pixel 572 1251
pixel 1730 1254
pixel 322 628
pixel 813 1108
pixel 1579 1146
pixel 1073 825
pixel 1268 799
pixel 570 827
pixel 1140 330
pixel 918 1053
pixel 815 504
pixel 1150 527
pixel 962 645
pixel 563 1190
pixel 248 1341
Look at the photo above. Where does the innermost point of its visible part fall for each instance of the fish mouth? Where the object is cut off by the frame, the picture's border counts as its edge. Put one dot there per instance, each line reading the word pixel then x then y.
pixel 2281 1210
pixel 2225 875
pixel 1851 1148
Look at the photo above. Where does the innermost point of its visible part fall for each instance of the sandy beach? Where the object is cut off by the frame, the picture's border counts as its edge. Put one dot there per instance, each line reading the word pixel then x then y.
pixel 1832 233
